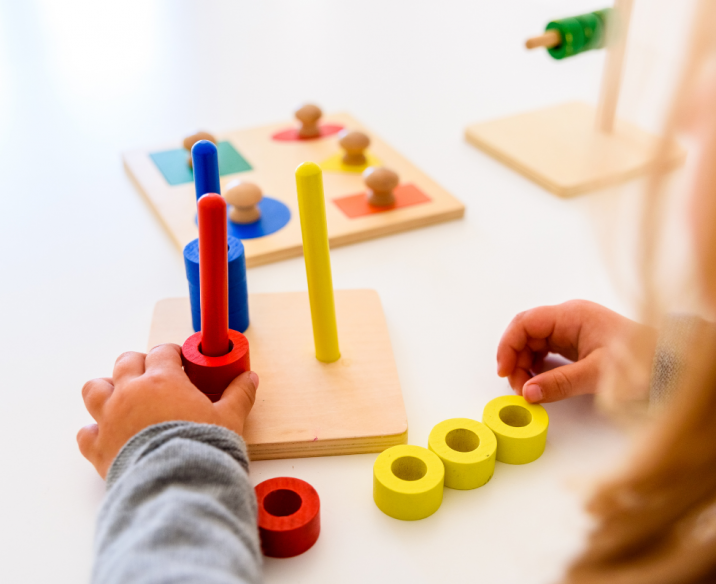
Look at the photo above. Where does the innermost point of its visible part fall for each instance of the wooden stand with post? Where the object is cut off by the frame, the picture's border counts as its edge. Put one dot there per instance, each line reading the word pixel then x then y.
pixel 314 399
pixel 573 148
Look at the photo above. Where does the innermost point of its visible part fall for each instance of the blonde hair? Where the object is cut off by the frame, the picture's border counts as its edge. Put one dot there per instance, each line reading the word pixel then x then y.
pixel 656 523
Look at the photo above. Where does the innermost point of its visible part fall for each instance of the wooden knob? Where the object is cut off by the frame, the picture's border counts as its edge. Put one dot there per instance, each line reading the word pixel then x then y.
pixel 309 115
pixel 243 198
pixel 380 182
pixel 189 142
pixel 354 144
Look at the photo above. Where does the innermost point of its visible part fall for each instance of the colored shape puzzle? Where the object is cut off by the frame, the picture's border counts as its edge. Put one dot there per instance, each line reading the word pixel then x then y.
pixel 291 135
pixel 357 205
pixel 335 163
pixel 173 163
pixel 273 165
pixel 305 407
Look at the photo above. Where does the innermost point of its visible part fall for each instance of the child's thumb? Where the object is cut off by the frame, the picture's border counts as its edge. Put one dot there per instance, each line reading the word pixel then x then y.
pixel 565 381
pixel 238 399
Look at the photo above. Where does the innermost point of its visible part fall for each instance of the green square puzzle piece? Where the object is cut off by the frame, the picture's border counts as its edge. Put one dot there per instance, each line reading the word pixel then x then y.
pixel 172 163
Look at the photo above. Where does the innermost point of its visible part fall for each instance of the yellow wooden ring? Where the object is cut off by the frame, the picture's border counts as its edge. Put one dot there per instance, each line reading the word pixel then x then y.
pixel 520 428
pixel 408 482
pixel 467 449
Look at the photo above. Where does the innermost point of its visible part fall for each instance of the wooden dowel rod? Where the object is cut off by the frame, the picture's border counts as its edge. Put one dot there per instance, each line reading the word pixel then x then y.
pixel 612 76
pixel 312 213
pixel 213 275
pixel 550 38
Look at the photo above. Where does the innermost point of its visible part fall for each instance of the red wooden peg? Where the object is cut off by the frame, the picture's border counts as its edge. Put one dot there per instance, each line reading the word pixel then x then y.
pixel 213 275
pixel 215 355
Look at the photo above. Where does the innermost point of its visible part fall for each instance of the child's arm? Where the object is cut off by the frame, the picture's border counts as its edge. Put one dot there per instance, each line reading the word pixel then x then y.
pixel 179 504
pixel 578 330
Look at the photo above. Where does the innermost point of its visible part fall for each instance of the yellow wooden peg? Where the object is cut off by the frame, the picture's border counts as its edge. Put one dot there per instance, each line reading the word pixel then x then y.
pixel 467 449
pixel 520 428
pixel 408 482
pixel 312 209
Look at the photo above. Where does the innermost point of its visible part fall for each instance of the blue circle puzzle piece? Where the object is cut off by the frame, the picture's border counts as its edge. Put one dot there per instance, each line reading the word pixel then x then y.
pixel 274 216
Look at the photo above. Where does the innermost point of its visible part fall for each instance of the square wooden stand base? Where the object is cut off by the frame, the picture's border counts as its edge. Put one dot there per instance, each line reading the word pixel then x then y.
pixel 560 148
pixel 305 407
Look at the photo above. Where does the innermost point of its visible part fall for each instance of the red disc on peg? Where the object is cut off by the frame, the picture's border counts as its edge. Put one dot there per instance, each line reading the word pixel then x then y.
pixel 289 516
pixel 212 375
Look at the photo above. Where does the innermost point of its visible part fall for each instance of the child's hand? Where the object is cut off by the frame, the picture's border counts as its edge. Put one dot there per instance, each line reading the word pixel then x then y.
pixel 578 330
pixel 149 389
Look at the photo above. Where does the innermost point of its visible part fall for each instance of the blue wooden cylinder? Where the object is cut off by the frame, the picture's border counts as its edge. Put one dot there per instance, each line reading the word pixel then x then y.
pixel 238 290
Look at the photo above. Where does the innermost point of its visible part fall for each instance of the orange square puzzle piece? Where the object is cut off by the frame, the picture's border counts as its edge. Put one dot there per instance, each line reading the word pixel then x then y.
pixel 357 205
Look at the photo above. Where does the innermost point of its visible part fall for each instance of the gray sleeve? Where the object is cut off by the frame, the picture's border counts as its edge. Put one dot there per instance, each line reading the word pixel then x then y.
pixel 179 508
pixel 675 340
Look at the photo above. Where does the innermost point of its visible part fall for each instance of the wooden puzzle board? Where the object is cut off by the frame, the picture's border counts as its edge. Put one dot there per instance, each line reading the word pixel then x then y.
pixel 274 163
pixel 305 407
pixel 560 149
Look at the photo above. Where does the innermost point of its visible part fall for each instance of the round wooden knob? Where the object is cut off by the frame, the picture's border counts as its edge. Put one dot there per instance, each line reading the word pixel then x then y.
pixel 309 115
pixel 189 141
pixel 243 198
pixel 380 182
pixel 354 144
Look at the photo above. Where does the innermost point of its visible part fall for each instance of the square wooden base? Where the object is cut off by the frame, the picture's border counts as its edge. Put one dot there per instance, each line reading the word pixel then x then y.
pixel 560 148
pixel 305 407
pixel 273 164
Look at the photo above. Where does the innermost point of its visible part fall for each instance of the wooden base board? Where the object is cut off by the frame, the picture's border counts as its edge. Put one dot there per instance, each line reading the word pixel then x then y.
pixel 273 165
pixel 560 148
pixel 304 407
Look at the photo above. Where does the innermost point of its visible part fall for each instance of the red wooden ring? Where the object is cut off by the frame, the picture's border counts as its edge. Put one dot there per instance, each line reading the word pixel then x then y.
pixel 212 375
pixel 289 516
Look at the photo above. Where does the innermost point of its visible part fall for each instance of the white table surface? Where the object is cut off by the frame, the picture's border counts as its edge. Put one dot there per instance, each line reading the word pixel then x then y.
pixel 84 259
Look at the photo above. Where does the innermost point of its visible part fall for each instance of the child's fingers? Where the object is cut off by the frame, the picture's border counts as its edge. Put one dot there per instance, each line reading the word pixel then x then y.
pixel 518 378
pixel 538 361
pixel 95 394
pixel 528 364
pixel 238 399
pixel 525 359
pixel 565 381
pixel 87 440
pixel 128 366
pixel 166 356
pixel 527 328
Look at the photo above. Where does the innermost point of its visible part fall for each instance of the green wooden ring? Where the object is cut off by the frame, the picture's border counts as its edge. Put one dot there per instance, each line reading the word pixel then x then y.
pixel 580 33
pixel 593 31
pixel 570 30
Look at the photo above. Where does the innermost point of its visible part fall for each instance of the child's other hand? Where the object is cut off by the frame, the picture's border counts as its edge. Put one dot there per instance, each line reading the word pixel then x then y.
pixel 578 330
pixel 149 389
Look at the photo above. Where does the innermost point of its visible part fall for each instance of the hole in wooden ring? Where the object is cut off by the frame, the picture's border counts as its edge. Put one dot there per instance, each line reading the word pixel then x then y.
pixel 409 468
pixel 282 502
pixel 462 440
pixel 515 416
pixel 231 347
